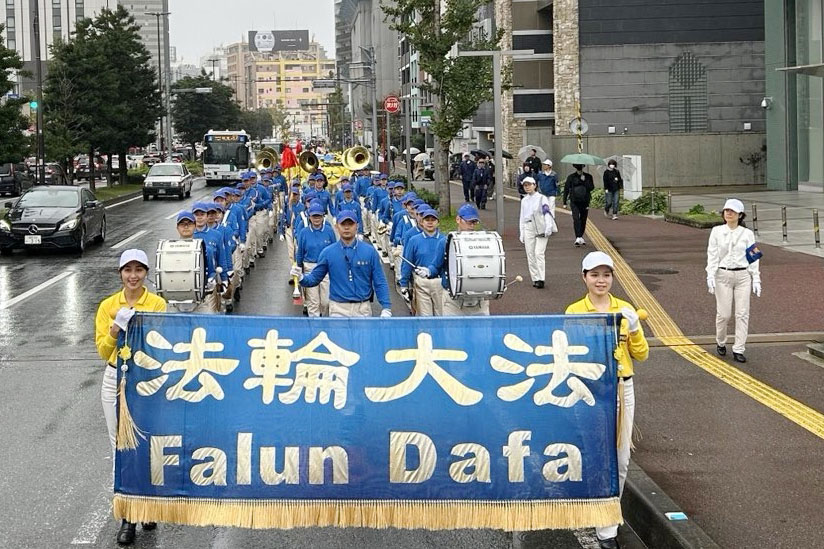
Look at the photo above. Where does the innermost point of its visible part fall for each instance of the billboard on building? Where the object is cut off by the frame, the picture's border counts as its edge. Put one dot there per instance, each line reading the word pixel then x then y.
pixel 271 41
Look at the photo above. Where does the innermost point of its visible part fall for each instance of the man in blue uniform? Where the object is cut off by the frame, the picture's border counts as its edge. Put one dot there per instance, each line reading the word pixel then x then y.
pixel 355 273
pixel 348 202
pixel 313 239
pixel 401 222
pixel 339 193
pixel 213 244
pixel 421 252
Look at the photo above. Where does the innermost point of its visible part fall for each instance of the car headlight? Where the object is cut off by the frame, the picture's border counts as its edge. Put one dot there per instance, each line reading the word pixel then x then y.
pixel 148 183
pixel 4 226
pixel 68 225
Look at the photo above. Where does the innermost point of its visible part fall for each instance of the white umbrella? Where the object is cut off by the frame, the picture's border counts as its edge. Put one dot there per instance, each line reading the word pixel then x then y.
pixel 525 152
pixel 413 151
pixel 393 148
pixel 625 165
pixel 420 157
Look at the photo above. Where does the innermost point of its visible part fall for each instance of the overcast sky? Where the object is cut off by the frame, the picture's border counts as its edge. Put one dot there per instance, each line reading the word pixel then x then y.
pixel 196 26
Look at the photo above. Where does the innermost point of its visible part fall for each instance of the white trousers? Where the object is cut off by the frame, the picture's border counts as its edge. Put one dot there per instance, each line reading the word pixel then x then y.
pixel 428 296
pixel 108 397
pixel 535 252
pixel 625 437
pixel 290 244
pixel 459 307
pixel 252 240
pixel 729 286
pixel 261 228
pixel 317 297
pixel 397 253
pixel 338 309
pixel 237 266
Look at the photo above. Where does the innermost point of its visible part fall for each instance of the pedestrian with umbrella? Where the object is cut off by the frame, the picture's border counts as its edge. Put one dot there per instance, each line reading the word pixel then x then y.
pixel 578 192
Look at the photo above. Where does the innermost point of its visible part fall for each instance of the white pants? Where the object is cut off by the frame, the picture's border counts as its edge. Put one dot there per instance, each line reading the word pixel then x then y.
pixel 108 397
pixel 397 253
pixel 625 437
pixel 251 240
pixel 535 252
pixel 428 296
pixel 338 309
pixel 290 244
pixel 237 266
pixel 729 286
pixel 317 297
pixel 261 227
pixel 459 307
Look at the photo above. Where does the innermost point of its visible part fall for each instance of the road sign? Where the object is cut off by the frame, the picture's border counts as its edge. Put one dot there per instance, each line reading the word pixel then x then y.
pixel 324 83
pixel 391 104
pixel 358 124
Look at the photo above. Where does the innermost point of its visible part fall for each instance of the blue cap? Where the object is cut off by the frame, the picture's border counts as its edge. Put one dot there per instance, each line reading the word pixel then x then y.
pixel 212 207
pixel 185 215
pixel 468 212
pixel 316 208
pixel 384 176
pixel 309 195
pixel 237 192
pixel 390 185
pixel 430 213
pixel 315 177
pixel 408 197
pixel 277 168
pixel 376 177
pixel 346 187
pixel 343 215
pixel 240 186
pixel 420 208
pixel 220 193
pixel 199 207
pixel 295 188
pixel 418 201
pixel 344 178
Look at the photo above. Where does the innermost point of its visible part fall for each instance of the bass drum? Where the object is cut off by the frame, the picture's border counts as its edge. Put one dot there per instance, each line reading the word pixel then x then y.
pixel 476 265
pixel 180 270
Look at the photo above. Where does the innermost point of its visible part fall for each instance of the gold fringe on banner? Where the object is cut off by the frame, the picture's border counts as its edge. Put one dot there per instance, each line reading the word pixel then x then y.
pixel 430 515
pixel 127 431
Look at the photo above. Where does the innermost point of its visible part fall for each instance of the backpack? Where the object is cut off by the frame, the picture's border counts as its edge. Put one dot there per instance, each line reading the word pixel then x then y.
pixel 579 191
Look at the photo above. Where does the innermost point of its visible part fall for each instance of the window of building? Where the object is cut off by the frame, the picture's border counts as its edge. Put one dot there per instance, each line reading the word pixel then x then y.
pixel 305 90
pixel 687 95
pixel 809 50
pixel 79 7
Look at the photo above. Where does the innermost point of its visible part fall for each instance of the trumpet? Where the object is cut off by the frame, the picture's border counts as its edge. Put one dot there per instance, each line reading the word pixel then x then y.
pixel 266 158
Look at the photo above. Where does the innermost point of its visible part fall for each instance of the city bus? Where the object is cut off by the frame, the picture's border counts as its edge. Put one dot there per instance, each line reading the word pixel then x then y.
pixel 225 155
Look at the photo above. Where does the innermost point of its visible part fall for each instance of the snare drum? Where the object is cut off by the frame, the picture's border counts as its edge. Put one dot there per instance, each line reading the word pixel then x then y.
pixel 180 270
pixel 476 265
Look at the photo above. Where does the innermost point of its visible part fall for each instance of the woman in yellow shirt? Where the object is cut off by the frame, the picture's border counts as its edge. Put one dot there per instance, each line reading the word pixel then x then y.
pixel 597 269
pixel 113 315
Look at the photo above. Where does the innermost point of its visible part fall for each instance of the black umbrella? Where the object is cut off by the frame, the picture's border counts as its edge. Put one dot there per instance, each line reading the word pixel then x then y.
pixel 479 152
pixel 505 154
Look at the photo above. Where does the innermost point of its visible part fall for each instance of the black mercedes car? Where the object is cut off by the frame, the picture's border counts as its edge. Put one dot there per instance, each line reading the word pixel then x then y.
pixel 50 216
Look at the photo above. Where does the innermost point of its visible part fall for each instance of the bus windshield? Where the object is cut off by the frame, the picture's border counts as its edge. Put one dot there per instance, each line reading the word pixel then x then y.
pixel 226 153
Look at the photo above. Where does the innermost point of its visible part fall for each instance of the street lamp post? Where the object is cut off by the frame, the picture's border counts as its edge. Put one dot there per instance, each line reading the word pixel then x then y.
pixel 40 159
pixel 496 108
pixel 158 15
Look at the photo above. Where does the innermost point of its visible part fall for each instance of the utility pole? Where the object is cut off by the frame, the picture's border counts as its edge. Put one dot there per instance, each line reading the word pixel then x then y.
pixel 408 131
pixel 41 148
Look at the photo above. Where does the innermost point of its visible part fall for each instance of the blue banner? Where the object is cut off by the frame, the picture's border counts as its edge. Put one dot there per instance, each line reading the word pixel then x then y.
pixel 504 422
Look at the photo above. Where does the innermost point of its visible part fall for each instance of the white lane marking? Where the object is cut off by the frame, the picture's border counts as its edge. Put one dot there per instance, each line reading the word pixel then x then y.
pixel 173 215
pixel 94 521
pixel 124 202
pixel 40 287
pixel 125 241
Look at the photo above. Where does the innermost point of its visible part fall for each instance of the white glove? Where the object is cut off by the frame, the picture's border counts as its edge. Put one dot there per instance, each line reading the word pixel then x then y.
pixel 123 316
pixel 521 238
pixel 756 289
pixel 242 247
pixel 386 313
pixel 360 237
pixel 405 294
pixel 711 285
pixel 422 271
pixel 632 319
pixel 271 213
pixel 296 271
pixel 281 238
pixel 547 234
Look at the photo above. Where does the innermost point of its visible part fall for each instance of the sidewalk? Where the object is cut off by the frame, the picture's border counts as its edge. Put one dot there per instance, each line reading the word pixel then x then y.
pixel 799 204
pixel 745 472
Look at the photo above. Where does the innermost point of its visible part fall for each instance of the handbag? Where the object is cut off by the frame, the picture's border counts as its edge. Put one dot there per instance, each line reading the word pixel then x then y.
pixel 539 222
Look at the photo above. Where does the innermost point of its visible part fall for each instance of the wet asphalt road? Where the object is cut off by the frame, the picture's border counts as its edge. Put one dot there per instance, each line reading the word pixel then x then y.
pixel 55 460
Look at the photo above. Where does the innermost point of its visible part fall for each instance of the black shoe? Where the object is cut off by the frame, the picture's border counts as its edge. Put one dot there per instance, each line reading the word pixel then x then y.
pixel 265 247
pixel 611 543
pixel 148 525
pixel 534 284
pixel 539 284
pixel 125 535
pixel 739 357
pixel 291 281
pixel 237 294
pixel 262 253
pixel 721 350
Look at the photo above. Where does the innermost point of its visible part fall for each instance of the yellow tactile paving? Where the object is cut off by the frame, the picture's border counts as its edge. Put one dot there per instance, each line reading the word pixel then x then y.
pixel 665 328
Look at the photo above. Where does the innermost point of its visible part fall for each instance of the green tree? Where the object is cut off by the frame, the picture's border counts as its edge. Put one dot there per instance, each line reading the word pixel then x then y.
pixel 281 122
pixel 13 143
pixel 194 114
pixel 458 84
pixel 258 124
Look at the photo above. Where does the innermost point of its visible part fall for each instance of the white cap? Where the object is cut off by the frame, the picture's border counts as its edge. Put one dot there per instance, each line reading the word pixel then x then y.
pixel 734 204
pixel 527 180
pixel 596 259
pixel 548 162
pixel 133 255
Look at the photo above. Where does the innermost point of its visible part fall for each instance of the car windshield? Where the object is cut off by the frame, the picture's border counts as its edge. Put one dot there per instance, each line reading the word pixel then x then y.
pixel 47 198
pixel 5 169
pixel 165 170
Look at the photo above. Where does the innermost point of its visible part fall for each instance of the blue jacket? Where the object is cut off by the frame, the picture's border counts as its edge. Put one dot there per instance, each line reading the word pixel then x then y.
pixel 421 251
pixel 467 171
pixel 279 183
pixel 401 222
pixel 216 255
pixel 312 241
pixel 354 206
pixel 228 239
pixel 378 194
pixel 326 199
pixel 548 183
pixel 301 221
pixel 408 233
pixel 385 210
pixel 236 216
pixel 363 184
pixel 355 272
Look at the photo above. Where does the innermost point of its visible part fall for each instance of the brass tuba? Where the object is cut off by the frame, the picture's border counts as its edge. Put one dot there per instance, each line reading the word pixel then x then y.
pixel 266 158
pixel 356 158
pixel 308 160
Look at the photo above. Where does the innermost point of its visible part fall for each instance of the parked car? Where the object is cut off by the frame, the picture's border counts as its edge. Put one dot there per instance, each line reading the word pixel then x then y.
pixel 151 159
pixel 50 216
pixel 168 179
pixel 55 175
pixel 14 178
pixel 81 167
pixel 133 161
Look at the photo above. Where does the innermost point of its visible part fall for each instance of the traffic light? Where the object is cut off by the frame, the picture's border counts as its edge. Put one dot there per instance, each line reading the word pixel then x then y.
pixel 33 105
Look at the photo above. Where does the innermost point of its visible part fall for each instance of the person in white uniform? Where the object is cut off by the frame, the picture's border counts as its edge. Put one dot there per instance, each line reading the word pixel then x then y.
pixel 536 225
pixel 732 272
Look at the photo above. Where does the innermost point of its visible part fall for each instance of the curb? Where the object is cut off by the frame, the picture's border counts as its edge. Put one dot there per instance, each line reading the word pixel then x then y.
pixel 778 337
pixel 644 505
